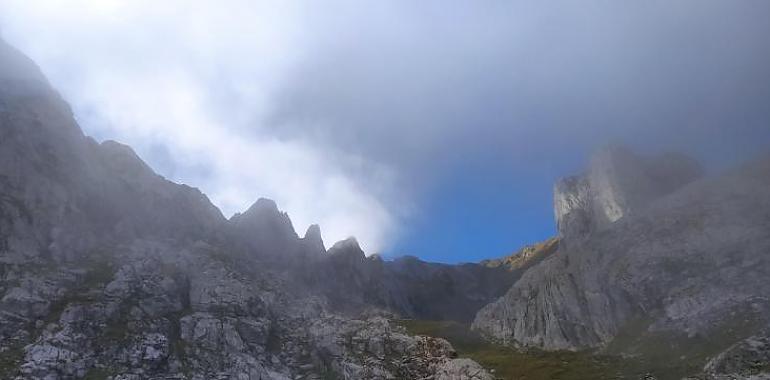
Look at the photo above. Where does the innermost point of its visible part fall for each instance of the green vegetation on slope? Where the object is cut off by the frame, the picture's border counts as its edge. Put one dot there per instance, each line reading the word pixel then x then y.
pixel 636 353
pixel 10 360
pixel 671 355
pixel 508 363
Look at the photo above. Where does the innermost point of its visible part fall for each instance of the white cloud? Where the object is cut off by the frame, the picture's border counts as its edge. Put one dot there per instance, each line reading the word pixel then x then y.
pixel 194 78
pixel 347 111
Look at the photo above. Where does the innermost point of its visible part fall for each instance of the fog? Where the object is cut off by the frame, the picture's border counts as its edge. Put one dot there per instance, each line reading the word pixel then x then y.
pixel 350 113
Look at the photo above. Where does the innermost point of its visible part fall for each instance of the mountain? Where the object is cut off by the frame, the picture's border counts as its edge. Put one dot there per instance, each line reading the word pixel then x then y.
pixel 655 262
pixel 526 257
pixel 110 271
pixel 407 287
pixel 618 182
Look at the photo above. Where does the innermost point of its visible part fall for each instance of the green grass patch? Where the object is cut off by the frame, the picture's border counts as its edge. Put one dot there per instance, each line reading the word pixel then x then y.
pixel 671 355
pixel 10 360
pixel 633 354
pixel 509 363
pixel 99 374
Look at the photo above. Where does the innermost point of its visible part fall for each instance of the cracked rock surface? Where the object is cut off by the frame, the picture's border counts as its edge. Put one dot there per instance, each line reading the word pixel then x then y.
pixel 110 271
pixel 688 271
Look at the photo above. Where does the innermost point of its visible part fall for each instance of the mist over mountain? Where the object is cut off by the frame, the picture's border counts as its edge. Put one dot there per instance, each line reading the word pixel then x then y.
pixel 655 263
pixel 369 119
pixel 109 270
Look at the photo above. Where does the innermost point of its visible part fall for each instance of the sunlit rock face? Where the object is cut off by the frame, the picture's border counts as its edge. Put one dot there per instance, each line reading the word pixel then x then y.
pixel 573 208
pixel 618 182
pixel 656 265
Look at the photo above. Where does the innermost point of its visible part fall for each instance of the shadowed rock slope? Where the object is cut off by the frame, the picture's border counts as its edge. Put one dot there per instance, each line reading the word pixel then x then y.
pixel 110 271
pixel 412 288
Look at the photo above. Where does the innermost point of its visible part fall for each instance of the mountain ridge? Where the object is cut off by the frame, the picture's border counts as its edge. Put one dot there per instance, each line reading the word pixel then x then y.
pixel 679 272
pixel 109 270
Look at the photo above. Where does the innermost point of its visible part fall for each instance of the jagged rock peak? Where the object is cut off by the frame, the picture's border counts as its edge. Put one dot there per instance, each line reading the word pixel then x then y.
pixel 347 247
pixel 263 205
pixel 16 67
pixel 313 232
pixel 170 274
pixel 313 238
pixel 26 93
pixel 616 183
pixel 265 210
pixel 267 230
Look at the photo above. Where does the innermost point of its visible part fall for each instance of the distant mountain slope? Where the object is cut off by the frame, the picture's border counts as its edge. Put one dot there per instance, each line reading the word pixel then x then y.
pixel 525 257
pixel 407 286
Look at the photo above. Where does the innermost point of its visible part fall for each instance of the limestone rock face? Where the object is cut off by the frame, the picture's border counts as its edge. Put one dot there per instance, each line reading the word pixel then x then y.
pixel 683 267
pixel 110 271
pixel 394 354
pixel 617 183
pixel 62 193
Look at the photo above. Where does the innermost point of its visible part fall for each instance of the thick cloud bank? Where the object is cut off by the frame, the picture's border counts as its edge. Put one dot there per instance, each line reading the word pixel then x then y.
pixel 349 112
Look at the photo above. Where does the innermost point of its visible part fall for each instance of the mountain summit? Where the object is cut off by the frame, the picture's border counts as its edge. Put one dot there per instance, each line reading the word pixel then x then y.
pixel 618 182
pixel 110 271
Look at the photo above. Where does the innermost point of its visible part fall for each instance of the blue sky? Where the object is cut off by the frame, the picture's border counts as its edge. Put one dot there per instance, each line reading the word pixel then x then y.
pixel 430 128
pixel 478 213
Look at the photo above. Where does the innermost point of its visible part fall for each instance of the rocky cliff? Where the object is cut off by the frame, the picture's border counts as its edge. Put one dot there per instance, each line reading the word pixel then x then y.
pixel 618 182
pixel 110 271
pixel 649 266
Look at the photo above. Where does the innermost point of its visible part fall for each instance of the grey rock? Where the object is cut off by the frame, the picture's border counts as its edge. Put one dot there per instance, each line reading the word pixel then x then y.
pixel 617 182
pixel 313 241
pixel 687 264
pixel 747 359
pixel 462 369
pixel 109 270
pixel 210 332
pixel 20 301
pixel 373 349
pixel 267 231
pixel 407 286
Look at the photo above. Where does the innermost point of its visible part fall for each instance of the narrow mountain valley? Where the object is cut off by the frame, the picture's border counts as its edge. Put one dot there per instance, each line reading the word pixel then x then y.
pixel 110 271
